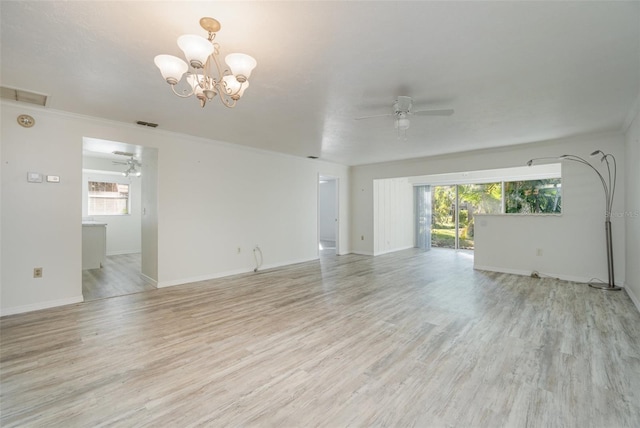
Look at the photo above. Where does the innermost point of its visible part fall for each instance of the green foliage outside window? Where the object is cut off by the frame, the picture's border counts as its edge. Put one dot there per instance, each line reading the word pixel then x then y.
pixel 520 197
pixel 533 196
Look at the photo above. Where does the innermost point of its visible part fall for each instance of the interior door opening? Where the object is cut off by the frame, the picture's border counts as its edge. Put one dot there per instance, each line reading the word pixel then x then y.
pixel 328 215
pixel 119 219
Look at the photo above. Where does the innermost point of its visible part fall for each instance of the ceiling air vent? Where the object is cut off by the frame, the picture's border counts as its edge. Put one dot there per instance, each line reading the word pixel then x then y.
pixel 123 153
pixel 149 124
pixel 23 96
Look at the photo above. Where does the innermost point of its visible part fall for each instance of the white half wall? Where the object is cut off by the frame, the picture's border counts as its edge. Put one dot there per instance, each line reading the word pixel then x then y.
pixel 579 232
pixel 392 215
pixel 632 209
pixel 212 198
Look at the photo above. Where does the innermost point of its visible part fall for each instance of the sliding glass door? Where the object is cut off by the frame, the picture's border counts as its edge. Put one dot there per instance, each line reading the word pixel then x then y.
pixel 443 218
pixel 453 210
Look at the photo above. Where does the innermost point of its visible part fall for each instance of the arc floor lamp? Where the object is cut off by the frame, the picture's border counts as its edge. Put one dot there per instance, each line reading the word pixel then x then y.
pixel 609 185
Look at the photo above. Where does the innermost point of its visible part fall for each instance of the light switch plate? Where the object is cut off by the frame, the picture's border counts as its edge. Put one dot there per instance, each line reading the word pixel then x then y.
pixel 34 177
pixel 53 178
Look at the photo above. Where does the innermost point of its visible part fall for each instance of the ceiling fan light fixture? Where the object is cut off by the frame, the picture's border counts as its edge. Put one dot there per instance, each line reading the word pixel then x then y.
pixel 132 165
pixel 402 124
pixel 207 78
pixel 401 111
pixel 132 171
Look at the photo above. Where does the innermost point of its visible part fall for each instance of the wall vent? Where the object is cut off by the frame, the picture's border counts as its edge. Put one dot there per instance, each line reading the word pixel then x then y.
pixel 22 96
pixel 149 124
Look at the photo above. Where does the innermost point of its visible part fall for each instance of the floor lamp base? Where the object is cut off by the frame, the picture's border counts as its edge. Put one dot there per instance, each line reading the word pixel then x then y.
pixel 603 286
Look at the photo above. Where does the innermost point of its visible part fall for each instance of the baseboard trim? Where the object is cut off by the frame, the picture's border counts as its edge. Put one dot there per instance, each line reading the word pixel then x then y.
pixel 122 252
pixel 163 284
pixel 151 280
pixel 362 253
pixel 379 253
pixel 632 296
pixel 42 305
pixel 562 277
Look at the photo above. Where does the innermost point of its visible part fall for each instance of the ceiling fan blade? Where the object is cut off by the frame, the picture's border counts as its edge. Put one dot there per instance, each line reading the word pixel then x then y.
pixel 375 116
pixel 442 112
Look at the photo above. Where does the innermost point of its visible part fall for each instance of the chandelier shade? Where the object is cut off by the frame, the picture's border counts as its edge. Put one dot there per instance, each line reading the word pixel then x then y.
pixel 171 67
pixel 204 76
pixel 235 87
pixel 196 49
pixel 241 65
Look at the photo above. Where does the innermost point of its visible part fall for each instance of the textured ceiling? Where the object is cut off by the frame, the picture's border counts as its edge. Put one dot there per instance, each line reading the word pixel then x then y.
pixel 515 72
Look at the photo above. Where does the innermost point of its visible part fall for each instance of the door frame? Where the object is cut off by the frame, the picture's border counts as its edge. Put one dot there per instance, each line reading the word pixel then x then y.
pixel 325 177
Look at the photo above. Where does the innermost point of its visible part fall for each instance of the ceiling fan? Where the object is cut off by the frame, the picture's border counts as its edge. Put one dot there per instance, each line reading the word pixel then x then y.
pixel 132 163
pixel 401 110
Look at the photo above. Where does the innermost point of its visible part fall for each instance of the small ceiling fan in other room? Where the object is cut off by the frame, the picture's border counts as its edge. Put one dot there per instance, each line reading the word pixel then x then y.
pixel 401 110
pixel 132 165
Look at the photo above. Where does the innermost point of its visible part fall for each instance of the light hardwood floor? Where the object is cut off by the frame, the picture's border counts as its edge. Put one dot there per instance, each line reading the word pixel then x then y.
pixel 404 339
pixel 120 275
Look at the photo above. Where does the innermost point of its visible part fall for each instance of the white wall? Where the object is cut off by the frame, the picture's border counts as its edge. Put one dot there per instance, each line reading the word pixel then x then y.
pixel 393 221
pixel 213 197
pixel 149 220
pixel 327 213
pixel 123 231
pixel 41 222
pixel 573 243
pixel 632 209
pixel 581 233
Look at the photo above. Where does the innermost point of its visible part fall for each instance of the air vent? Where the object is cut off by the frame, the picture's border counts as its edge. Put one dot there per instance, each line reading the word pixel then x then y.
pixel 149 124
pixel 123 154
pixel 22 96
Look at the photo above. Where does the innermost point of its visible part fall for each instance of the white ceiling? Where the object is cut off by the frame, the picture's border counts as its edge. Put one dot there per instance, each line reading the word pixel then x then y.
pixel 515 72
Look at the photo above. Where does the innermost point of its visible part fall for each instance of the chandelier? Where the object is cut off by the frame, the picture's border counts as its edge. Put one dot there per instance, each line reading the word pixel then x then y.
pixel 206 78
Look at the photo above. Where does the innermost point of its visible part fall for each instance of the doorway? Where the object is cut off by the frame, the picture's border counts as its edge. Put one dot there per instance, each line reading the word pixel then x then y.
pixel 120 202
pixel 328 215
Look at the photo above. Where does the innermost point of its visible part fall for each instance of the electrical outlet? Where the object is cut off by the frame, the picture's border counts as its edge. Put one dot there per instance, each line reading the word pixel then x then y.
pixel 37 272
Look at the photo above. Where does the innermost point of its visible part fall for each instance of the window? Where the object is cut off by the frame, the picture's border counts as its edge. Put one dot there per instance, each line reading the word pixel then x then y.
pixel 108 198
pixel 533 196
pixel 455 199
